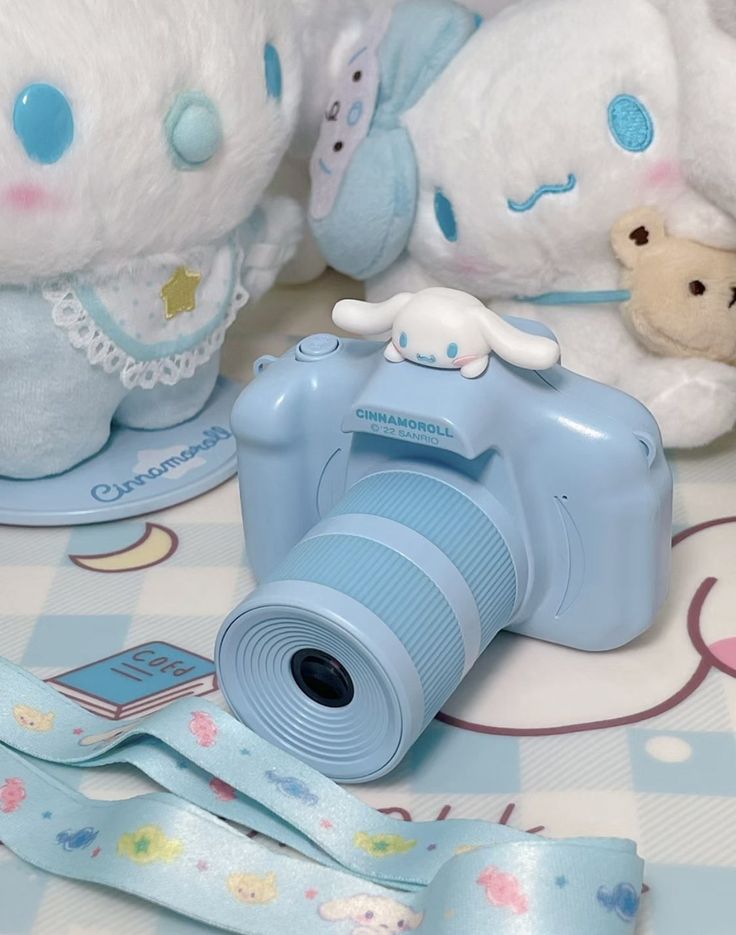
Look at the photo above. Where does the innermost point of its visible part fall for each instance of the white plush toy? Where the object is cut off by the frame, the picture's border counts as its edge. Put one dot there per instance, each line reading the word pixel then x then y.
pixel 496 158
pixel 447 330
pixel 704 33
pixel 137 144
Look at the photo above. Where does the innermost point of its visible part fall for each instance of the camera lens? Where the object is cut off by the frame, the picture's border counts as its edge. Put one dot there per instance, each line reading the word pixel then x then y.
pixel 322 678
pixel 353 644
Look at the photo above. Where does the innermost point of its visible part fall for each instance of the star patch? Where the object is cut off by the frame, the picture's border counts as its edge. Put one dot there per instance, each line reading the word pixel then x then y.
pixel 180 292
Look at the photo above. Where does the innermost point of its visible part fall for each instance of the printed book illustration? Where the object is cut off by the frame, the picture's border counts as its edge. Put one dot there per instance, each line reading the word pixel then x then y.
pixel 138 681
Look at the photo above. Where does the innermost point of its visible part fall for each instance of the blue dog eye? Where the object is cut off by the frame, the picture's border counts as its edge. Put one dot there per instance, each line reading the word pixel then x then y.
pixel 452 351
pixel 194 130
pixel 44 123
pixel 274 74
pixel 403 340
pixel 631 123
pixel 445 214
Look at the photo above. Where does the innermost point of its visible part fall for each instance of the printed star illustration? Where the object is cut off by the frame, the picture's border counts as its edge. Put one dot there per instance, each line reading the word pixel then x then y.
pixel 180 292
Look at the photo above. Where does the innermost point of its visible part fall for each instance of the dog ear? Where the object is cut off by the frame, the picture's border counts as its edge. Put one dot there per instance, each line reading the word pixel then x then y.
pixel 517 347
pixel 364 173
pixel 337 910
pixel 635 233
pixel 368 317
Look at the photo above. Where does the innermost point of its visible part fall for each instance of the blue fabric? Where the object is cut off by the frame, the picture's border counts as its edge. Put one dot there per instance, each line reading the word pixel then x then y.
pixel 445 878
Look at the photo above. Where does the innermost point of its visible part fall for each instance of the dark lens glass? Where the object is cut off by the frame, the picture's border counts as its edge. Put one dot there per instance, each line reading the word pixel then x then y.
pixel 322 678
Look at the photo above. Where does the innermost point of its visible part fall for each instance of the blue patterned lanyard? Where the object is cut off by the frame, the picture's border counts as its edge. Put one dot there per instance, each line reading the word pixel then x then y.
pixel 366 873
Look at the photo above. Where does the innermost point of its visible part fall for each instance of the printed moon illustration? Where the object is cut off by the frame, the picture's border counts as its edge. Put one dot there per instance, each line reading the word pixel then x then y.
pixel 523 687
pixel 156 545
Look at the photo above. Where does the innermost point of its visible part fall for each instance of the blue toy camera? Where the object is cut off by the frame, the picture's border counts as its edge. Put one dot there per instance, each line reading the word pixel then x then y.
pixel 398 517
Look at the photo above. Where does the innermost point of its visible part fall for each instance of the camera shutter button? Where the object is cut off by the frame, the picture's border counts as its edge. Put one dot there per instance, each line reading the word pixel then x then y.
pixel 317 346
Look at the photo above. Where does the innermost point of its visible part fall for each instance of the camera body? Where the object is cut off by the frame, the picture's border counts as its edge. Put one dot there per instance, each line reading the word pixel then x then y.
pixel 401 516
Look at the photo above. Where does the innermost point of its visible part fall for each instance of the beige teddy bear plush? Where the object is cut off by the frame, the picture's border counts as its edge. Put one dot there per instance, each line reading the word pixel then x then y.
pixel 683 294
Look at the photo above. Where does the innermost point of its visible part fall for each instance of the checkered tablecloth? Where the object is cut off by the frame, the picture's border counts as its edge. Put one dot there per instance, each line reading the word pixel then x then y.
pixel 656 762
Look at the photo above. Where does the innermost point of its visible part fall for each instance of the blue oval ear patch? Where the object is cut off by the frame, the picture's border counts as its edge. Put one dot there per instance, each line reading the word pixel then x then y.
pixel 43 122
pixel 274 74
pixel 631 123
pixel 194 130
pixel 452 351
pixel 445 214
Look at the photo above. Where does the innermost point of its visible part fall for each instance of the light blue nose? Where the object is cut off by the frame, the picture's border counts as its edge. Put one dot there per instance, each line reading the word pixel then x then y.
pixel 43 122
pixel 426 358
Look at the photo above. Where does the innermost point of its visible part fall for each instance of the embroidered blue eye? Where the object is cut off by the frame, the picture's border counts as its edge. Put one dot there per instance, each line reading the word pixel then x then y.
pixel 452 351
pixel 403 340
pixel 445 214
pixel 44 123
pixel 631 123
pixel 274 74
pixel 194 130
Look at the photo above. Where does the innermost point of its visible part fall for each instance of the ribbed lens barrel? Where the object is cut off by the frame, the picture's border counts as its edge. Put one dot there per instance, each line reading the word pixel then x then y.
pixel 350 649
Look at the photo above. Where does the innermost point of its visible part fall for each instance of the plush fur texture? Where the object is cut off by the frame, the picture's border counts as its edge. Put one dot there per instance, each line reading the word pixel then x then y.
pixel 682 293
pixel 704 34
pixel 116 207
pixel 525 105
pixel 115 194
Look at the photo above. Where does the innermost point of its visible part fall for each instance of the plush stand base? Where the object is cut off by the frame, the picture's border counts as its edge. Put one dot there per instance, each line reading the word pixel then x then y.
pixel 137 472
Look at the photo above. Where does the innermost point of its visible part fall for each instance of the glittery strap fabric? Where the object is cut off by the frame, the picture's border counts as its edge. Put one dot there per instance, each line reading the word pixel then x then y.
pixel 364 872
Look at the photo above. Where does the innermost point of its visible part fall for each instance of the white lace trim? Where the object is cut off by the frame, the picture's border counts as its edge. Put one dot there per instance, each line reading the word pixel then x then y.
pixel 84 334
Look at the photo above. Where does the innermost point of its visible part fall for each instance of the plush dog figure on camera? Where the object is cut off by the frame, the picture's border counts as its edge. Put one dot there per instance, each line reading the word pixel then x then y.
pixel 683 295
pixel 495 157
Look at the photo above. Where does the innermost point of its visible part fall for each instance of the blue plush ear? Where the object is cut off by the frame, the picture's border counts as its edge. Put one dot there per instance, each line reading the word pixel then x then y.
pixel 364 173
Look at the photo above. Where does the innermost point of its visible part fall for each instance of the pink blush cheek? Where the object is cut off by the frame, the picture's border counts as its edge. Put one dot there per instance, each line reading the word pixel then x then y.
pixel 28 198
pixel 664 174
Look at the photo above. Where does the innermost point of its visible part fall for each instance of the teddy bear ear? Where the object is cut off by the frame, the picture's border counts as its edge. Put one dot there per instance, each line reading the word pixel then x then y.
pixel 635 233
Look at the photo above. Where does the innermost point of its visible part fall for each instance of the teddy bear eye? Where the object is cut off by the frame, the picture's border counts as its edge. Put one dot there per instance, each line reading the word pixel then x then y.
pixel 404 339
pixel 452 351
pixel 369 915
pixel 697 287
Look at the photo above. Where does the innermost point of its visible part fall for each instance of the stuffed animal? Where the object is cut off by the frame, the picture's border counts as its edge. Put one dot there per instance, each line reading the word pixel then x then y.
pixel 704 35
pixel 494 157
pixel 138 144
pixel 447 330
pixel 683 295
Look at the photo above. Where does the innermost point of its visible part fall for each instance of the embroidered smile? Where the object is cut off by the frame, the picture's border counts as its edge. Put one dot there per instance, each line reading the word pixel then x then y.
pixel 521 206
